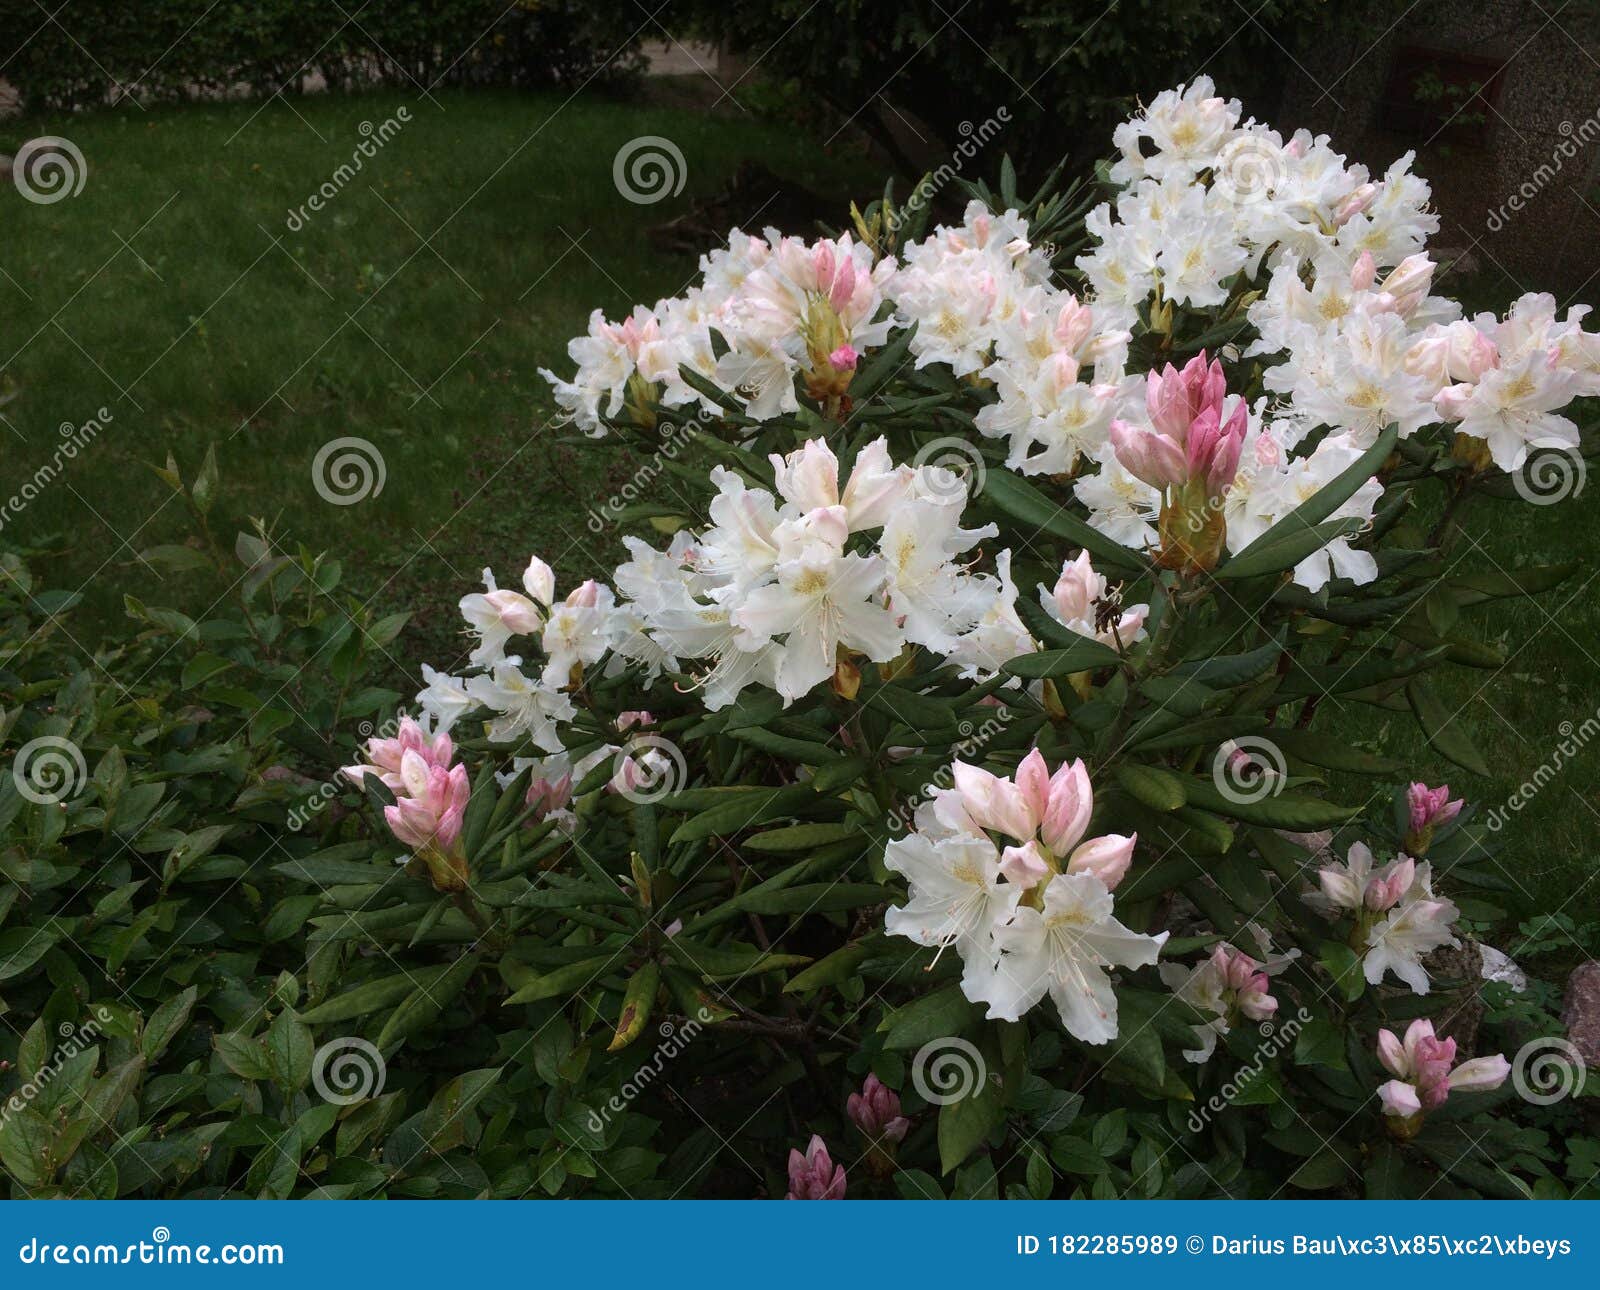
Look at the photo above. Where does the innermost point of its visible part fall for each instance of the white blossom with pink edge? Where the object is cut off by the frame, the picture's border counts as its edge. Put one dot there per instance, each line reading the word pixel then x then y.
pixel 1000 869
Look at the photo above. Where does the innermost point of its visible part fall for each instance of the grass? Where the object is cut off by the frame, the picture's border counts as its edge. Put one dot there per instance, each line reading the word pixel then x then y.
pixel 415 310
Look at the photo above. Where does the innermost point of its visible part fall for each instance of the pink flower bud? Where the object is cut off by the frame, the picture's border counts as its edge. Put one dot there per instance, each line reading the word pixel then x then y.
pixel 1365 272
pixel 1025 866
pixel 1070 805
pixel 843 359
pixel 814 1176
pixel 875 1110
pixel 1107 858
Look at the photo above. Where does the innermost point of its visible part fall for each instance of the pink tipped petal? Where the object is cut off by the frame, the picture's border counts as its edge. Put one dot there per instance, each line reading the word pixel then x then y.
pixel 1071 803
pixel 1392 1054
pixel 1024 866
pixel 1480 1074
pixel 1399 1099
pixel 1107 858
pixel 1033 780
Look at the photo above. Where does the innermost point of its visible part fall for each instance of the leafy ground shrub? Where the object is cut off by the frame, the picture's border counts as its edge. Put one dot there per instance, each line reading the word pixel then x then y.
pixel 932 803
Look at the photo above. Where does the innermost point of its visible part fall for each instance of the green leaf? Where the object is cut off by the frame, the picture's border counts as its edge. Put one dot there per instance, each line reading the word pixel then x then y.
pixel 1062 662
pixel 1339 490
pixel 1258 560
pixel 165 1023
pixel 1443 732
pixel 965 1122
pixel 943 1013
pixel 801 837
pixel 1344 966
pixel 1321 1043
pixel 1324 1170
pixel 1022 501
pixel 1156 788
pixel 426 1003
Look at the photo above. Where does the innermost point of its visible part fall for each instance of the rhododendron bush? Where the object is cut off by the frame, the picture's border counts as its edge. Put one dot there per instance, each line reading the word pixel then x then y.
pixel 936 800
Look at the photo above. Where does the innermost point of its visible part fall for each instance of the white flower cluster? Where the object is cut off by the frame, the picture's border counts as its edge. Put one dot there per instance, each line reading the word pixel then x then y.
pixel 781 589
pixel 1000 870
pixel 782 307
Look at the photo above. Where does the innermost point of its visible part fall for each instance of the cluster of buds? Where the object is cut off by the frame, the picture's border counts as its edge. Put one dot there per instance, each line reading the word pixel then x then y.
pixel 1428 809
pixel 1245 987
pixel 1046 816
pixel 814 1176
pixel 875 1110
pixel 831 359
pixel 1425 1071
pixel 1191 454
pixel 430 798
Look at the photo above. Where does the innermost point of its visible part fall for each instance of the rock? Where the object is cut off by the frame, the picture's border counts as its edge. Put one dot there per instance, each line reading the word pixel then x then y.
pixel 1501 967
pixel 1455 261
pixel 1455 973
pixel 1580 1010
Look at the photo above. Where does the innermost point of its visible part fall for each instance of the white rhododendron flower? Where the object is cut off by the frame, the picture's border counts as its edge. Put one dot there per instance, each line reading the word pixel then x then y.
pixel 1000 870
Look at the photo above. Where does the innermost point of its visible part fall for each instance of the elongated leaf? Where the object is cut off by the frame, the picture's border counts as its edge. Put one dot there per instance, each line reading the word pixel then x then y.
pixel 1446 735
pixel 1261 558
pixel 1331 497
pixel 1083 657
pixel 1022 501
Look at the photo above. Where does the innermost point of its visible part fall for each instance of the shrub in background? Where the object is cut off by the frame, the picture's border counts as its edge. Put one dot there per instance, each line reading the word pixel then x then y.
pixel 189 48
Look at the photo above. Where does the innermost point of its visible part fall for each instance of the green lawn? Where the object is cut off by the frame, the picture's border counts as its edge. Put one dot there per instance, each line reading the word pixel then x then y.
pixel 415 310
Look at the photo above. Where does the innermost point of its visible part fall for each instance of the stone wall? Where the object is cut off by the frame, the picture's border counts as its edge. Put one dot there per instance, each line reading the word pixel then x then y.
pixel 1521 190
